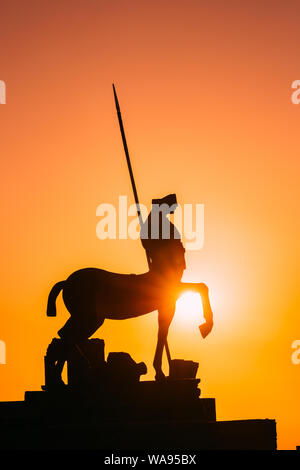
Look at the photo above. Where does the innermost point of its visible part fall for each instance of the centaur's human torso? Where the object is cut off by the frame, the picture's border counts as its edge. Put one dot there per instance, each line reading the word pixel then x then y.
pixel 115 296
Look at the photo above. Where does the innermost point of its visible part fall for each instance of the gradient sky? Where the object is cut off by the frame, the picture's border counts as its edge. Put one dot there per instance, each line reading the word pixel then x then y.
pixel 205 92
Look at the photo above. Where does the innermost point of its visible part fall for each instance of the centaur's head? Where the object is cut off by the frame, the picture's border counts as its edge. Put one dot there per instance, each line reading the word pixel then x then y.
pixel 168 202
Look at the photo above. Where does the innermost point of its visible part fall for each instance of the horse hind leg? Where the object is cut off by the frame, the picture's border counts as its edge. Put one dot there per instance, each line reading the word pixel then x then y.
pixel 54 363
pixel 80 326
pixel 73 335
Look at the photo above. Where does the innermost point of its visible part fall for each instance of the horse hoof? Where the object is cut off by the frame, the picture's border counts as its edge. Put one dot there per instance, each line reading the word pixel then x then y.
pixel 160 377
pixel 55 385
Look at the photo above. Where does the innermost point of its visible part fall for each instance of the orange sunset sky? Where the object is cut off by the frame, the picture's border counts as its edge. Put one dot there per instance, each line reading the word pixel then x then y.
pixel 205 92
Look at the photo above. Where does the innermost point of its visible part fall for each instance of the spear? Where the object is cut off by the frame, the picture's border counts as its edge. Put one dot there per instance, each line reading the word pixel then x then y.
pixel 135 194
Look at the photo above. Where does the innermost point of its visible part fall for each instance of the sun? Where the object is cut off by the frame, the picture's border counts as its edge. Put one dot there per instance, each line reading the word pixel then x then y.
pixel 189 309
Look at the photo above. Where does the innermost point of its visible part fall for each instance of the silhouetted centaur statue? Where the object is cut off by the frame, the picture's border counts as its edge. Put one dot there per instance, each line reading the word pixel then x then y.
pixel 91 295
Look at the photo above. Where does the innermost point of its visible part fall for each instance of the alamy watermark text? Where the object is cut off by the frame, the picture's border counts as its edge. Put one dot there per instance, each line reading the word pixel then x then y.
pixel 2 352
pixel 2 92
pixel 122 222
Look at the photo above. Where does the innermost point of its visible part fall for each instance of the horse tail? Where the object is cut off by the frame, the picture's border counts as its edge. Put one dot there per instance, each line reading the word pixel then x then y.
pixel 51 307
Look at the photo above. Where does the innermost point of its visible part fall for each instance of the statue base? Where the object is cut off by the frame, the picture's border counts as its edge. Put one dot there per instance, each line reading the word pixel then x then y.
pixel 105 406
pixel 170 399
pixel 157 417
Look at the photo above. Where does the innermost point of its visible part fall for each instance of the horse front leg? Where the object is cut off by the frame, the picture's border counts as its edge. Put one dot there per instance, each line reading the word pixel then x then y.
pixel 206 327
pixel 201 289
pixel 165 316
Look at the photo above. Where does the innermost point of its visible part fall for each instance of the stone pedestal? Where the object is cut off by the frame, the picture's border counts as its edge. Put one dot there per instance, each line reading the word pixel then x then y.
pixel 106 406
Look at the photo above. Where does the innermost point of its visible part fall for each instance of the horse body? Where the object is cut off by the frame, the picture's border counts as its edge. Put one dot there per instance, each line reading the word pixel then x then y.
pixel 91 295
pixel 112 295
